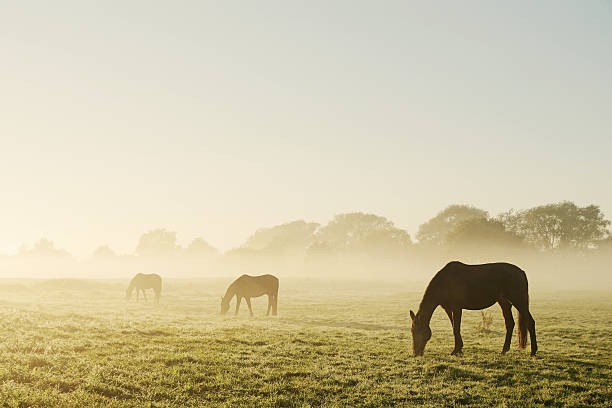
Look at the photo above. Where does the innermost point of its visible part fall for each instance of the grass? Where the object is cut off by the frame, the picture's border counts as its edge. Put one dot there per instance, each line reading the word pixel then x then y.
pixel 78 343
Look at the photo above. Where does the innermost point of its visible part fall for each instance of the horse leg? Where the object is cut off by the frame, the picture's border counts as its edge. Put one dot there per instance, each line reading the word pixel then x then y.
pixel 248 300
pixel 144 295
pixel 275 305
pixel 238 299
pixel 269 304
pixel 137 295
pixel 506 308
pixel 449 313
pixel 457 332
pixel 532 333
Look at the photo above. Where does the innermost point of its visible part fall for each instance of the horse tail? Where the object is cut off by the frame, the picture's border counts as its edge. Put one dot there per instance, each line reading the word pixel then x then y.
pixel 522 330
pixel 522 318
pixel 275 303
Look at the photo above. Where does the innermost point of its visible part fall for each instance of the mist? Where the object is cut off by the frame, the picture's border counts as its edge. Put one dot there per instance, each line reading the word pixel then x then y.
pixel 559 245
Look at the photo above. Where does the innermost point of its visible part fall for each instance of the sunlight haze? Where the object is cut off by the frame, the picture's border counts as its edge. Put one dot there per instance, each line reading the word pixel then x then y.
pixel 215 119
pixel 284 203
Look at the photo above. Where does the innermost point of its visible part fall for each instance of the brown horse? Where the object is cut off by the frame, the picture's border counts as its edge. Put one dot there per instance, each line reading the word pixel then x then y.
pixel 143 281
pixel 459 286
pixel 252 286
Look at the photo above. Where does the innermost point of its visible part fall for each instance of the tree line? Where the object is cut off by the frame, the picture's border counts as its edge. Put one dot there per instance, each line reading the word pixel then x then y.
pixel 562 226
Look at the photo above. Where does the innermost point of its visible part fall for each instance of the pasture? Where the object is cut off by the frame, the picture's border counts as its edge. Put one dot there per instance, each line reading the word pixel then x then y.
pixel 77 343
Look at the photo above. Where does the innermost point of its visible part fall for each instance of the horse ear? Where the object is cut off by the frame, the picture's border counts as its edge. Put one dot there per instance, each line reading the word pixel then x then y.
pixel 412 316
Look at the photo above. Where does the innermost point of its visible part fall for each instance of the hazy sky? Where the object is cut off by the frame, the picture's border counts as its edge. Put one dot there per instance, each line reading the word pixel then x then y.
pixel 217 118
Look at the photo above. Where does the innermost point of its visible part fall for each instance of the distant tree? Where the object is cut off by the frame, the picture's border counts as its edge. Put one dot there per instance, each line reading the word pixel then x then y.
pixel 319 249
pixel 605 244
pixel 435 230
pixel 482 232
pixel 363 232
pixel 200 248
pixel 294 236
pixel 44 248
pixel 559 225
pixel 104 252
pixel 512 220
pixel 321 259
pixel 159 242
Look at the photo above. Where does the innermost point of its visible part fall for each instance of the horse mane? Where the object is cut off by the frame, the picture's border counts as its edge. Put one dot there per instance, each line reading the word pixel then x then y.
pixel 428 303
pixel 432 286
pixel 133 282
pixel 231 290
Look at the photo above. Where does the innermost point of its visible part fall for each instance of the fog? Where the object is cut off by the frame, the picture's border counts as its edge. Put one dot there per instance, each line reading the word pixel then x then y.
pixel 559 245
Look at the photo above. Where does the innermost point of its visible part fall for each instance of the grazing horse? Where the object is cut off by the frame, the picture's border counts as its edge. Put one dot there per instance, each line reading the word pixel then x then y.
pixel 252 286
pixel 459 286
pixel 143 281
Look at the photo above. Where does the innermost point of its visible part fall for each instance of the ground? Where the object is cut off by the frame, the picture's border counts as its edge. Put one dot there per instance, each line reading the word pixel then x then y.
pixel 77 343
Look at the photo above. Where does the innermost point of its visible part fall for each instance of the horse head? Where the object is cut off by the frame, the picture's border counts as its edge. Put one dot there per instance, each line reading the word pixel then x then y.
pixel 224 305
pixel 421 333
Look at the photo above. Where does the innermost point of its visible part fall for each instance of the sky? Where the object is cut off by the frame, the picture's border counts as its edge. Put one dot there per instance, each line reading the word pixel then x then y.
pixel 214 119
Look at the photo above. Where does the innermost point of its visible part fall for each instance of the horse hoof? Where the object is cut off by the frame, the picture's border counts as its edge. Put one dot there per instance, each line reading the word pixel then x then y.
pixel 457 353
pixel 504 351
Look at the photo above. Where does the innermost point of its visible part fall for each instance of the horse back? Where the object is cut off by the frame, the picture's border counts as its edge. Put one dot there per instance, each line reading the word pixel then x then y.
pixel 478 286
pixel 254 286
pixel 147 281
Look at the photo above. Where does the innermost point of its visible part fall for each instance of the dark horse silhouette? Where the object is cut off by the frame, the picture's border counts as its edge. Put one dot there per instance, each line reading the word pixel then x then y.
pixel 459 286
pixel 143 281
pixel 252 286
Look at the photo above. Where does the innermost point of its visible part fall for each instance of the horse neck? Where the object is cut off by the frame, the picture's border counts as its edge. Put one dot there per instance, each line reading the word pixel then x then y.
pixel 230 292
pixel 131 286
pixel 426 309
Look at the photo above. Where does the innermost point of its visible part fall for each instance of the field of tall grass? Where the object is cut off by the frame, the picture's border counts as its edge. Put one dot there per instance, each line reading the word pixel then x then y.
pixel 78 343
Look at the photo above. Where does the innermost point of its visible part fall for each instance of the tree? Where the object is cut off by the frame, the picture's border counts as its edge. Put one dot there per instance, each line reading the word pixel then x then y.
pixel 435 230
pixel 512 220
pixel 293 236
pixel 104 252
pixel 605 245
pixel 560 225
pixel 159 242
pixel 319 249
pixel 44 248
pixel 200 248
pixel 482 232
pixel 363 232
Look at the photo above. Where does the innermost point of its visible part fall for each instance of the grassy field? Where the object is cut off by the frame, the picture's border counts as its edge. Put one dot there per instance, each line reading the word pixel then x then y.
pixel 78 343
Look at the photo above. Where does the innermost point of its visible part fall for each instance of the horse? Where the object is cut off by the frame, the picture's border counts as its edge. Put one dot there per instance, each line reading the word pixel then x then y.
pixel 143 281
pixel 251 286
pixel 458 286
